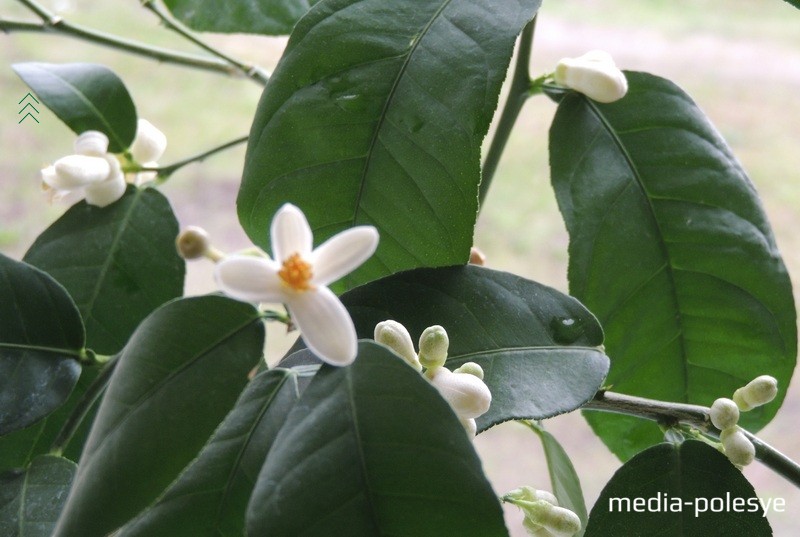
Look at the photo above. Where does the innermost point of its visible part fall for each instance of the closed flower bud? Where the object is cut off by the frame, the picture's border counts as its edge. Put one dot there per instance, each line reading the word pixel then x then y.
pixel 395 336
pixel 433 345
pixel 467 394
pixel 738 448
pixel 192 242
pixel 476 257
pixel 724 413
pixel 149 143
pixel 470 368
pixel 759 391
pixel 594 74
pixel 530 494
pixel 559 521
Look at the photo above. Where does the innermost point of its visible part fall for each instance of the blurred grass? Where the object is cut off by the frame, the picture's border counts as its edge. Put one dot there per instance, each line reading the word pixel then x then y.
pixel 739 59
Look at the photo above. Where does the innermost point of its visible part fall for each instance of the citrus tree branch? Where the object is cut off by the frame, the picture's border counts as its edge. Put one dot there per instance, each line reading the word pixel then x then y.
pixel 673 414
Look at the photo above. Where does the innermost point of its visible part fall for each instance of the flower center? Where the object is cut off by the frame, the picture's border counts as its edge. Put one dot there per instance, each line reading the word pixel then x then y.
pixel 296 273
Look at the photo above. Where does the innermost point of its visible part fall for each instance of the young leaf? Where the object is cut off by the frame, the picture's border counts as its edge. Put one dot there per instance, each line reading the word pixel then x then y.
pixel 41 338
pixel 385 127
pixel 210 497
pixel 85 97
pixel 119 262
pixel 373 449
pixel 563 478
pixel 671 250
pixel 268 17
pixel 536 345
pixel 31 499
pixel 682 490
pixel 177 378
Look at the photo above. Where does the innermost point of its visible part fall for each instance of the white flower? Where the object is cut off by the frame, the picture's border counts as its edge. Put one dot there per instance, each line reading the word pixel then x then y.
pixel 298 276
pixel 148 146
pixel 91 173
pixel 594 74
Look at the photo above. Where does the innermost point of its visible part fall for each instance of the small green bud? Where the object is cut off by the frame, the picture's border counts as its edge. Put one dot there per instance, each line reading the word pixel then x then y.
pixel 433 345
pixel 395 336
pixel 470 368
pixel 192 242
pixel 738 448
pixel 759 391
pixel 724 414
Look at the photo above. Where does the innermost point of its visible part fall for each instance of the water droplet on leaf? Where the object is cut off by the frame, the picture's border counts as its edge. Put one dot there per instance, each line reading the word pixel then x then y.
pixel 566 330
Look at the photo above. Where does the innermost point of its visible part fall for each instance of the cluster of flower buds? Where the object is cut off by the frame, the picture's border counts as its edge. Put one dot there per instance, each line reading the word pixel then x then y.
pixel 463 388
pixel 724 415
pixel 543 516
pixel 95 174
pixel 594 74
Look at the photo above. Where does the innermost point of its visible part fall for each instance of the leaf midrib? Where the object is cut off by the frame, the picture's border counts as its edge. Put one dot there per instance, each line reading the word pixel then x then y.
pixel 387 104
pixel 661 243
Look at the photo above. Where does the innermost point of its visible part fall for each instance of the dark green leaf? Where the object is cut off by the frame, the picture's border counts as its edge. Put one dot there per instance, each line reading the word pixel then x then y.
pixel 678 490
pixel 210 497
pixel 671 250
pixel 31 499
pixel 536 345
pixel 268 17
pixel 41 337
pixel 373 449
pixel 384 127
pixel 85 96
pixel 119 262
pixel 563 478
pixel 17 449
pixel 795 3
pixel 177 378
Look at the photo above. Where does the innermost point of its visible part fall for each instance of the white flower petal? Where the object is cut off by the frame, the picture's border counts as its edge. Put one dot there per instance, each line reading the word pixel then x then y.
pixel 149 143
pixel 75 171
pixel 468 395
pixel 250 279
pixel 91 143
pixel 290 233
pixel 110 190
pixel 325 325
pixel 343 253
pixel 598 79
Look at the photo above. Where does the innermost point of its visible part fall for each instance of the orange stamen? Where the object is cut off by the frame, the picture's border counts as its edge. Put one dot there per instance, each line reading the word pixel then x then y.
pixel 296 273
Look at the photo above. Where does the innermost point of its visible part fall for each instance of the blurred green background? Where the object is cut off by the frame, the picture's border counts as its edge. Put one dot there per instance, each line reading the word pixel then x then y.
pixel 739 59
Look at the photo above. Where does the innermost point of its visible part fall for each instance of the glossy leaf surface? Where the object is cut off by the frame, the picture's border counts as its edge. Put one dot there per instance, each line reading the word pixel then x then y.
pixel 41 338
pixel 671 250
pixel 31 499
pixel 268 17
pixel 210 497
pixel 118 262
pixel 535 344
pixel 373 449
pixel 176 380
pixel 681 490
pixel 85 96
pixel 383 128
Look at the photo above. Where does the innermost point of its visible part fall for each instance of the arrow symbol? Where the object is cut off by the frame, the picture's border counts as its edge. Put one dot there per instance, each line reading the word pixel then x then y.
pixel 26 96
pixel 25 116
pixel 26 106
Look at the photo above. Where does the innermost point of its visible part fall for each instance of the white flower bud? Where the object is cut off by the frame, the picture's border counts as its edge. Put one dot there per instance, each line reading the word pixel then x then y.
pixel 433 345
pixel 149 143
pixel 559 521
pixel 192 242
pixel 467 394
pixel 759 391
pixel 91 143
pixel 76 171
pixel 594 74
pixel 738 448
pixel 470 368
pixel 395 336
pixel 724 413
